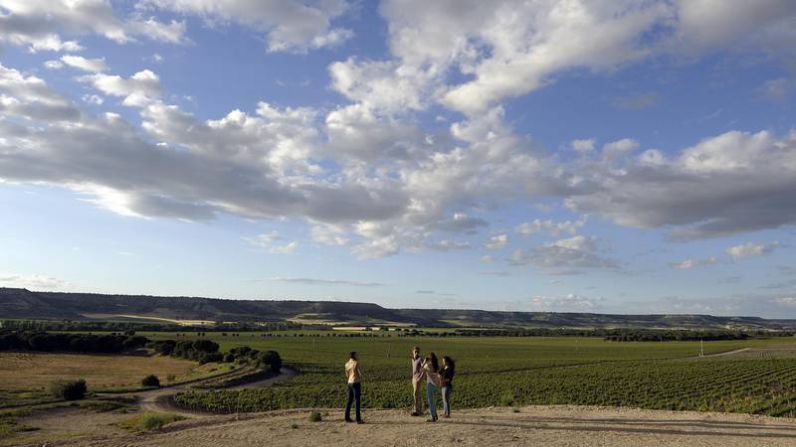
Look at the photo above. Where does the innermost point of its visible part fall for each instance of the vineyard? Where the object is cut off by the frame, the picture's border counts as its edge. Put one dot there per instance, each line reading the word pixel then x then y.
pixel 515 372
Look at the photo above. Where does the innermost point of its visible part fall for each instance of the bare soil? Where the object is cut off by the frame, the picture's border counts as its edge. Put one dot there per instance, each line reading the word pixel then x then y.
pixel 536 425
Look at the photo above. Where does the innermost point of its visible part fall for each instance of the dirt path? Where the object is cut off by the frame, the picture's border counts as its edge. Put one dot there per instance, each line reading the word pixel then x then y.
pixel 726 353
pixel 538 425
pixel 163 399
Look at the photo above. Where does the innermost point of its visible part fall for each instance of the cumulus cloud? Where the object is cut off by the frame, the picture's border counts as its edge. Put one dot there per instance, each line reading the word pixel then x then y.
pixel 42 24
pixel 731 183
pixel 497 242
pixel 138 90
pixel 583 146
pixel 565 256
pixel 81 63
pixel 553 228
pixel 288 26
pixel 751 250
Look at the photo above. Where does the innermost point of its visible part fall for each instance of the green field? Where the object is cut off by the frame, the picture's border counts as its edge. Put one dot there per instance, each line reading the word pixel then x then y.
pixel 521 371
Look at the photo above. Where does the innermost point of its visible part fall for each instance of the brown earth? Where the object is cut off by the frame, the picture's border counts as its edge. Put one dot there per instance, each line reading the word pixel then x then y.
pixel 537 425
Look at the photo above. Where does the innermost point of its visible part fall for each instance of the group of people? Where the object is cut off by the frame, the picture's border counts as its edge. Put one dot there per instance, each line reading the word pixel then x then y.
pixel 438 378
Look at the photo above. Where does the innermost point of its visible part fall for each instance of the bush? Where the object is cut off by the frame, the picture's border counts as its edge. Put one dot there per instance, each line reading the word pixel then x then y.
pixel 69 389
pixel 229 358
pixel 315 417
pixel 272 360
pixel 151 380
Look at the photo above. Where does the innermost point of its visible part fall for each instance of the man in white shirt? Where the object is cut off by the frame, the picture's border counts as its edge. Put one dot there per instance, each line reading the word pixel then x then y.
pixel 417 381
pixel 354 375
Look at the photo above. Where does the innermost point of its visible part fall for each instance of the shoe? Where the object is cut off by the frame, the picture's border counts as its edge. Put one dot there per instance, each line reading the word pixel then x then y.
pixel 446 416
pixel 360 421
pixel 414 413
pixel 431 420
pixel 349 420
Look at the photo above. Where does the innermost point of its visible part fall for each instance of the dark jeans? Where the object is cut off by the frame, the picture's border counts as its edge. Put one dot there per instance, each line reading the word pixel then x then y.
pixel 354 392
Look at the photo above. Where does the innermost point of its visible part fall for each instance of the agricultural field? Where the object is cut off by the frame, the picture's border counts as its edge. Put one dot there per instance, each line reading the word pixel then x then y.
pixel 25 377
pixel 501 371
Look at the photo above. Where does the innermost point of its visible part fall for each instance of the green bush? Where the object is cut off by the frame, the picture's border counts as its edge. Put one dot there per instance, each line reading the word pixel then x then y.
pixel 271 360
pixel 69 389
pixel 315 417
pixel 151 380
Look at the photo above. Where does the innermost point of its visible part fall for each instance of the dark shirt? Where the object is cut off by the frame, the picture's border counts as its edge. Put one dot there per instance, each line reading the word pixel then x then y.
pixel 446 373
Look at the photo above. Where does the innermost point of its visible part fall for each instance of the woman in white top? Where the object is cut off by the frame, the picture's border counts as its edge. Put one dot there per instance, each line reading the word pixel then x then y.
pixel 431 368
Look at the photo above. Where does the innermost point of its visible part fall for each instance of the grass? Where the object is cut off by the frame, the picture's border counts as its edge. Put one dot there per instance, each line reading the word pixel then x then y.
pixel 100 371
pixel 511 371
pixel 150 421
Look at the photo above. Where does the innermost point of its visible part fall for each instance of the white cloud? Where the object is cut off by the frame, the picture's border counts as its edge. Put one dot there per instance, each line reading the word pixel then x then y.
pixel 325 282
pixel 288 26
pixel 91 65
pixel 731 183
pixel 140 89
pixel 619 148
pixel 497 242
pixel 42 24
pixel 565 256
pixel 53 65
pixel 271 241
pixel 566 303
pixel 550 226
pixel 34 282
pixel 582 146
pixel 691 263
pixel 751 250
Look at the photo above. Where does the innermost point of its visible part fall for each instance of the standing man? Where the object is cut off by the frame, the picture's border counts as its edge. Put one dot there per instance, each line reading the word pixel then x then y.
pixel 354 375
pixel 417 380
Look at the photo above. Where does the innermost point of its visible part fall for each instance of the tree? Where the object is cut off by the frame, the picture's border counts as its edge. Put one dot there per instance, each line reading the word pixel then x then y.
pixel 272 360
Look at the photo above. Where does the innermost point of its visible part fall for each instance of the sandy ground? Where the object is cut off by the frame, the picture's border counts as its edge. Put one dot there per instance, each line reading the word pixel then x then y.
pixel 546 426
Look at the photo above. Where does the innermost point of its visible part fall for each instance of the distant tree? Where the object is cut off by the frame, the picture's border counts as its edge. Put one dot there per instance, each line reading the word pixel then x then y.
pixel 271 360
pixel 69 389
pixel 151 380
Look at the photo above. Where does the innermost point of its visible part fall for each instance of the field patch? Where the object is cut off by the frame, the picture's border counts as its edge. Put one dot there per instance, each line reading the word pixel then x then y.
pixel 29 372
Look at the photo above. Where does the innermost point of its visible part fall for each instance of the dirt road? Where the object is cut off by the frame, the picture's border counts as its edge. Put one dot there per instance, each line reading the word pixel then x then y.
pixel 539 425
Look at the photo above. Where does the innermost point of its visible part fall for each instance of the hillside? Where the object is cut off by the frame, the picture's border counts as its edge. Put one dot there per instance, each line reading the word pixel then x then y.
pixel 26 304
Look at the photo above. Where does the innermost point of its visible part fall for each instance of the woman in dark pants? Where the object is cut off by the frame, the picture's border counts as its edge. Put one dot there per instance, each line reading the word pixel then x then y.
pixel 354 375
pixel 446 376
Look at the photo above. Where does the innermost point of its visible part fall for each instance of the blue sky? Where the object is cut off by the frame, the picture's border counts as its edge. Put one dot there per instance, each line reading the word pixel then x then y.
pixel 598 156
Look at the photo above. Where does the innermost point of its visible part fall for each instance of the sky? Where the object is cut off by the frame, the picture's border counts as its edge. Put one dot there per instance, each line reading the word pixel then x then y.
pixel 608 156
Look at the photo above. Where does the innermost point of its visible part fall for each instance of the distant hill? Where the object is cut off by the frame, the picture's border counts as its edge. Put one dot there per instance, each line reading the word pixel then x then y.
pixel 26 304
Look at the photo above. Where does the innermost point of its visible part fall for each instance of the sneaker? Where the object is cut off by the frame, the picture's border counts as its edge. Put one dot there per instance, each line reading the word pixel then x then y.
pixel 349 420
pixel 414 413
pixel 360 421
pixel 431 420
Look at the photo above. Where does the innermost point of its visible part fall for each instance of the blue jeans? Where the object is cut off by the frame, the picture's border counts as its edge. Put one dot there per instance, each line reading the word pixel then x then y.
pixel 354 393
pixel 446 399
pixel 431 394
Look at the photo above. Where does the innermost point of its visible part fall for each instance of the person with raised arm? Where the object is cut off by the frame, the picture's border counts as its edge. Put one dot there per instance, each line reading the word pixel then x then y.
pixel 417 381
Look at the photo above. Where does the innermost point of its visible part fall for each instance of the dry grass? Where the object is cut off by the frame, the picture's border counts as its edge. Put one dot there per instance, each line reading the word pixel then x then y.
pixel 24 371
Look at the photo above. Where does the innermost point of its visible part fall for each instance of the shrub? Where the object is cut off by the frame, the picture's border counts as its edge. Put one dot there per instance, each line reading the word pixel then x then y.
pixel 506 399
pixel 145 422
pixel 69 389
pixel 315 417
pixel 272 360
pixel 151 380
pixel 229 358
